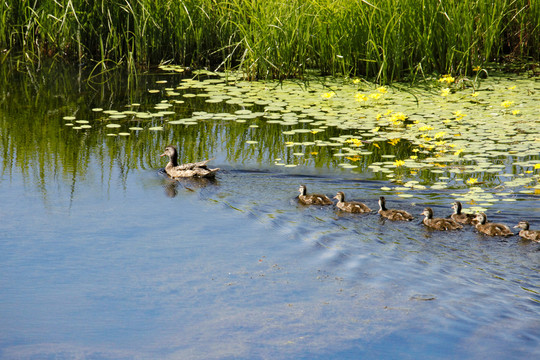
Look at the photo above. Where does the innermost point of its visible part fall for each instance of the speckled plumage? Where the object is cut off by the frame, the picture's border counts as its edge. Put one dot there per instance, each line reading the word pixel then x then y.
pixel 462 218
pixel 312 199
pixel 491 229
pixel 533 235
pixel 438 223
pixel 350 206
pixel 393 214
pixel 197 169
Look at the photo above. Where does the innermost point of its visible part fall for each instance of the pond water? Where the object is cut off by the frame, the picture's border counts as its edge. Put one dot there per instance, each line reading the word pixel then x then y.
pixel 104 257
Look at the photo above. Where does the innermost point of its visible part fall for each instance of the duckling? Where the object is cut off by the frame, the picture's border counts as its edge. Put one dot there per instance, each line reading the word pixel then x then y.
pixel 350 206
pixel 438 223
pixel 491 229
pixel 197 169
pixel 533 235
pixel 312 199
pixel 393 214
pixel 462 218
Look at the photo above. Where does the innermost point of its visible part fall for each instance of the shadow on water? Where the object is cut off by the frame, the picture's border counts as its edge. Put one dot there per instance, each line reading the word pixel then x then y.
pixel 104 256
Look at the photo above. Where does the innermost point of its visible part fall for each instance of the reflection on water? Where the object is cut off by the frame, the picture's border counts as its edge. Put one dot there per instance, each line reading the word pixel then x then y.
pixel 104 257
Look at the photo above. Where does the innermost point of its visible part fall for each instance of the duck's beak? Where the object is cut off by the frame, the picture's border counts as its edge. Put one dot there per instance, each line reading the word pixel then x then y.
pixel 515 227
pixel 162 155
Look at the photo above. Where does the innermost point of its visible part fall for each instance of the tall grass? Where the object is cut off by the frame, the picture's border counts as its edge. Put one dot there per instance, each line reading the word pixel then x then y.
pixel 382 39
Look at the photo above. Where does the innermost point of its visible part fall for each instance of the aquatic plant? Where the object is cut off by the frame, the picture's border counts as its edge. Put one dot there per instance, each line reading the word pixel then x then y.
pixel 385 40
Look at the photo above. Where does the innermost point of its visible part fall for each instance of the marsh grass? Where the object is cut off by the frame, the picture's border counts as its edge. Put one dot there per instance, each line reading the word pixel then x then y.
pixel 384 40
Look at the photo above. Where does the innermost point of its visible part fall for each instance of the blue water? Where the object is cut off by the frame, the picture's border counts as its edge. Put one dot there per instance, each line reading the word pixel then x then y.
pixel 139 267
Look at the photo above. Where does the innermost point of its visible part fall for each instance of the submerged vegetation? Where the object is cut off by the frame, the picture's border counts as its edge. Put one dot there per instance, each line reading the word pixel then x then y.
pixel 385 40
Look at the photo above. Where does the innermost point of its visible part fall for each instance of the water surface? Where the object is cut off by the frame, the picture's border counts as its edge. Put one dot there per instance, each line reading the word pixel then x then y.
pixel 102 256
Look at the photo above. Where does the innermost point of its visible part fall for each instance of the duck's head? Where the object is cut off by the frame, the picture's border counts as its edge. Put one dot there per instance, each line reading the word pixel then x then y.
pixel 522 225
pixel 382 202
pixel 302 189
pixel 481 218
pixel 428 213
pixel 340 196
pixel 170 151
pixel 456 206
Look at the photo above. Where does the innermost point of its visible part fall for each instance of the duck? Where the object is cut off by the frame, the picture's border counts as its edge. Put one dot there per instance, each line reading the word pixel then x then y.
pixel 462 218
pixel 197 169
pixel 350 206
pixel 393 214
pixel 533 235
pixel 491 229
pixel 312 199
pixel 438 223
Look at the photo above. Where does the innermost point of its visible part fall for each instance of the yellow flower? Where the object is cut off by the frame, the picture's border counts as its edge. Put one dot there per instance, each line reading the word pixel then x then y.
pixel 458 152
pixel 356 81
pixel 289 143
pixel 388 112
pixel 328 95
pixel 314 153
pixel 476 68
pixel 393 142
pixel 507 104
pixel 474 94
pixel 360 97
pixel 515 112
pixel 354 142
pixel 425 128
pixel 440 134
pixel 382 89
pixel 459 114
pixel 375 129
pixel 399 163
pixel 375 96
pixel 413 157
pixel 472 181
pixel 354 158
pixel 536 166
pixel 512 87
pixel 427 138
pixel 376 145
pixel 445 92
pixel 447 79
pixel 399 116
pixel 379 116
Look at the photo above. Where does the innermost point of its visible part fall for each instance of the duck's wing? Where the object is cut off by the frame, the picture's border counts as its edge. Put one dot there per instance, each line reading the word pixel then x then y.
pixel 191 166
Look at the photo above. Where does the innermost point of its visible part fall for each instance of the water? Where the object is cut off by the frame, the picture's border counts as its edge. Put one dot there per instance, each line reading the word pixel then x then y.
pixel 102 257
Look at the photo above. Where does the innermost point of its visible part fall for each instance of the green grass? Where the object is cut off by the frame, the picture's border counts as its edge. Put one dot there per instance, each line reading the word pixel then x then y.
pixel 385 40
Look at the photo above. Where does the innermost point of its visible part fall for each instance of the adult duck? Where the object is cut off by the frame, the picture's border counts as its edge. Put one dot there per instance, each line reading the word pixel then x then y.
pixel 491 229
pixel 197 169
pixel 533 235
pixel 312 199
pixel 438 223
pixel 462 218
pixel 350 206
pixel 393 214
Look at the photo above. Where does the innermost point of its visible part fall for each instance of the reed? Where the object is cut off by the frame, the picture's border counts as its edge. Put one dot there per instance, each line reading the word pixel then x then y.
pixel 385 40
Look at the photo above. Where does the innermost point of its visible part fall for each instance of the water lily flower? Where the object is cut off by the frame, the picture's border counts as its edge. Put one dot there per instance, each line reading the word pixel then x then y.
pixel 356 81
pixel 476 68
pixel 445 92
pixel 328 95
pixel 515 112
pixel 393 142
pixel 507 104
pixel 425 128
pixel 382 89
pixel 440 134
pixel 388 112
pixel 536 166
pixel 458 152
pixel 413 157
pixel 474 94
pixel 375 96
pixel 360 97
pixel 472 181
pixel 399 163
pixel 512 87
pixel 379 116
pixel 314 153
pixel 447 79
